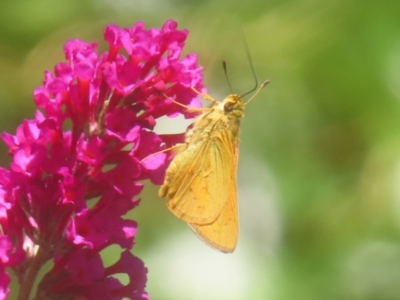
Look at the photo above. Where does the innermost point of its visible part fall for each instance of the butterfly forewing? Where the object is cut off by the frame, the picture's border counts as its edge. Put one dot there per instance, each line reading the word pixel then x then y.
pixel 198 179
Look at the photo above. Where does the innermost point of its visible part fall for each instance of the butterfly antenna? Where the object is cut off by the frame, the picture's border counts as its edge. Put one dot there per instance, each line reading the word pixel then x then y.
pixel 251 66
pixel 259 89
pixel 226 75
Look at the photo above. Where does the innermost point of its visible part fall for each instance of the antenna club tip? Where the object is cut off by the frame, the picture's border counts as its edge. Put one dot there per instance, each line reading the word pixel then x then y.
pixel 265 82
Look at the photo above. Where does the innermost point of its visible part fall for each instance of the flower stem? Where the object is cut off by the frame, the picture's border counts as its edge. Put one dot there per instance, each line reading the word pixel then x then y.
pixel 32 272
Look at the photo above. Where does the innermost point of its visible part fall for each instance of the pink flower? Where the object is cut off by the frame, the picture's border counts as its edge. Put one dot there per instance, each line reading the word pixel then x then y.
pixel 76 166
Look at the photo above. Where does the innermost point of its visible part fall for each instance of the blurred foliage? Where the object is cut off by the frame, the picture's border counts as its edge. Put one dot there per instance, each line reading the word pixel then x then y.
pixel 322 139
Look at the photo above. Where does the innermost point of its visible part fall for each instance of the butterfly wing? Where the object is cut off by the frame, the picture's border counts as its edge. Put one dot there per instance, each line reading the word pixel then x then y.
pixel 198 180
pixel 222 234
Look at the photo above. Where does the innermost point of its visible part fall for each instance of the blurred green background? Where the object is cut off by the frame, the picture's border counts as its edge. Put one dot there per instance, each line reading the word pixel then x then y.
pixel 319 167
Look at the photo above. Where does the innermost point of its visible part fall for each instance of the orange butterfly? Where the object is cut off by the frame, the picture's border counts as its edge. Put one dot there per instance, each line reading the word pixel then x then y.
pixel 200 183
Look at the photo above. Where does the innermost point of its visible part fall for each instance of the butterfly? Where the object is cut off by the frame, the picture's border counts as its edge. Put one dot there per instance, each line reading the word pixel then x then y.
pixel 200 182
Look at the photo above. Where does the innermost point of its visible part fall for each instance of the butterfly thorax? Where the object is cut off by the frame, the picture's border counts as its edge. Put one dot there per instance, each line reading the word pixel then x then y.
pixel 222 117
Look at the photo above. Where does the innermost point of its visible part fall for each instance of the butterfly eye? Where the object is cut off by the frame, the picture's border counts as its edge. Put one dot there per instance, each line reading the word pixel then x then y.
pixel 229 106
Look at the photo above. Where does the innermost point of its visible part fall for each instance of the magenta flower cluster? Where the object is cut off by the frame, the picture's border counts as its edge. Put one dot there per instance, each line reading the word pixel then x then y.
pixel 76 166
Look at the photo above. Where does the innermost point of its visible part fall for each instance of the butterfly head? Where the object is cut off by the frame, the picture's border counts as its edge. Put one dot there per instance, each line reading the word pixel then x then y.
pixel 233 105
